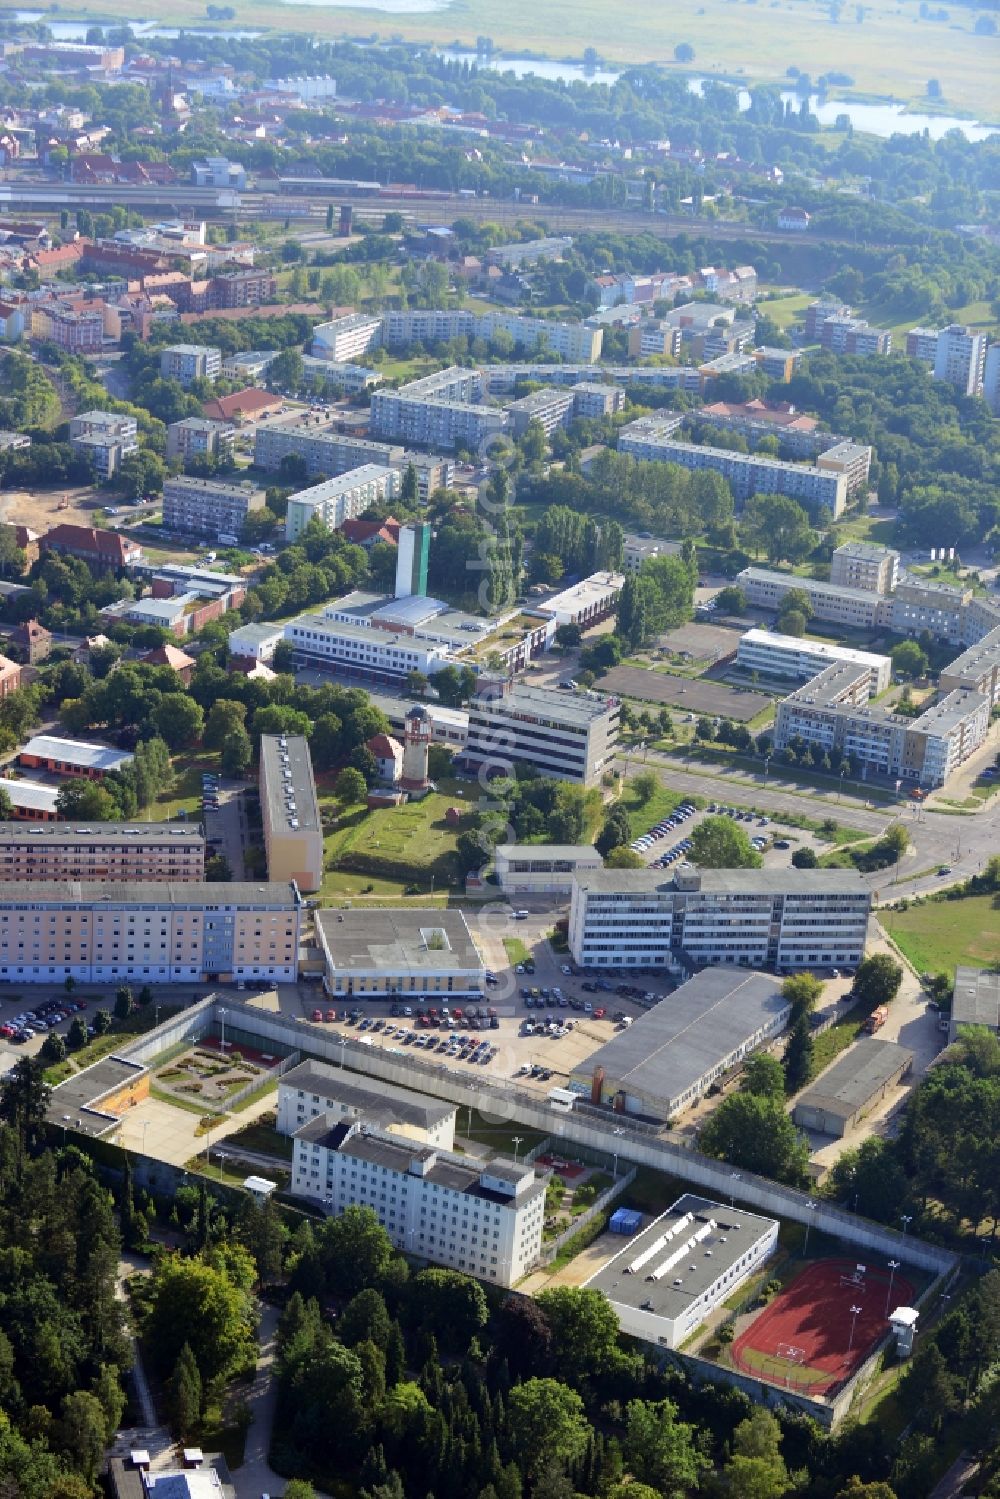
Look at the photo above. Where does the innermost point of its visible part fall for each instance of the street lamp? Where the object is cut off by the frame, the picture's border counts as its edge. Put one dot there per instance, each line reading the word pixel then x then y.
pixel 805 1243
pixel 855 1314
pixel 222 1023
pixel 614 1169
pixel 343 1047
pixel 222 1164
pixel 735 1177
pixel 893 1267
pixel 517 1145
pixel 906 1219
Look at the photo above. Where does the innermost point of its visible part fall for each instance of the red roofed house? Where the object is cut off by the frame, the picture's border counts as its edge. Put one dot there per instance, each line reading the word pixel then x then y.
pixel 105 550
pixel 178 660
pixel 388 754
pixel 365 533
pixel 243 405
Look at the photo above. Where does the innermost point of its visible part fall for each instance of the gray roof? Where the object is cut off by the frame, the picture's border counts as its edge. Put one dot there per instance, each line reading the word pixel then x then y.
pixel 725 881
pixel 977 998
pixel 76 1103
pixel 287 780
pixel 443 1170
pixel 546 703
pixel 396 941
pixel 856 1077
pixel 674 1045
pixel 76 752
pixel 366 1095
pixel 150 893
pixel 571 852
pixel 735 1232
pixel 46 834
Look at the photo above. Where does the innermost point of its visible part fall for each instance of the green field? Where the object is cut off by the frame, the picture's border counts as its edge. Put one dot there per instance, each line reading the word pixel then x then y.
pixel 391 847
pixel 516 950
pixel 942 934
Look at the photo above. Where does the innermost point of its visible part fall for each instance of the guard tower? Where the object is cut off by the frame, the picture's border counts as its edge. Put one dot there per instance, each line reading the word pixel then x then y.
pixel 903 1322
pixel 416 743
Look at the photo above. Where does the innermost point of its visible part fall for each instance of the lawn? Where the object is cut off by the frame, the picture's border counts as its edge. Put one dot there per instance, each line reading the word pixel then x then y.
pixel 186 795
pixel 391 847
pixel 645 815
pixel 838 1038
pixel 263 1139
pixel 944 934
pixel 499 1134
pixel 787 310
pixel 516 950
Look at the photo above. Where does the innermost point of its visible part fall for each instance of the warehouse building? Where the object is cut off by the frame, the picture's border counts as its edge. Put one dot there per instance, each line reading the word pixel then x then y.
pixel 670 1057
pixel 386 954
pixel 315 1090
pixel 542 868
pixel 104 851
pixel 976 1001
pixel 293 829
pixel 666 1281
pixel 850 1089
pixel 31 801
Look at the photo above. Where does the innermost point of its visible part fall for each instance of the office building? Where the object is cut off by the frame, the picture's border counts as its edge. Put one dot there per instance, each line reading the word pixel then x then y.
pixel 483 1219
pixel 665 1282
pixel 256 642
pixel 315 1090
pixel 412 558
pixel 216 508
pixel 440 411
pixel 218 171
pixel 197 437
pixel 119 851
pixel 751 918
pixel 163 933
pixel 323 451
pixel 250 367
pixel 774 655
pixel 960 359
pixel 404 954
pixel 341 498
pixel 860 564
pixel 359 650
pixel 571 736
pixel 293 828
pixel 542 868
pixel 669 1057
pixel 976 670
pixel 71 757
pixel 186 363
pixel 855 607
pixel 517 256
pixel 976 1001
pixel 346 338
pixel 746 473
pixel 856 1083
pixel 104 439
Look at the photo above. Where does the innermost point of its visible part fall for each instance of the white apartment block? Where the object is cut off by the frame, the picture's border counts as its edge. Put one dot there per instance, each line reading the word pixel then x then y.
pixel 341 498
pixel 346 338
pixel 977 669
pixel 550 408
pixel 197 437
pixel 483 1219
pixel 188 362
pixel 960 358
pixel 774 655
pixel 104 438
pixel 441 411
pixel 138 851
pixel 154 933
pixel 571 736
pixel 856 607
pixel 577 342
pixel 293 828
pixel 859 564
pixel 208 507
pixel 780 919
pixel 323 452
pixel 746 473
pixel 340 375
pixel 362 651
pixel 315 1090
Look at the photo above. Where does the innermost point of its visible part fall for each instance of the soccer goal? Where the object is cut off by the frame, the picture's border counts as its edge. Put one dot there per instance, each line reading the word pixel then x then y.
pixel 791 1356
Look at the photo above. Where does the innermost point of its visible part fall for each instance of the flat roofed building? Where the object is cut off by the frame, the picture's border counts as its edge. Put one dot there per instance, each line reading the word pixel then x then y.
pixel 484 1219
pixel 293 829
pixel 102 851
pixel 257 640
pixel 551 408
pixel 197 437
pixel 156 933
pixel 777 655
pixel 342 498
pixel 767 919
pixel 859 1079
pixel 542 868
pixel 572 736
pixel 362 651
pixel 71 757
pixel 977 669
pixel 322 450
pixel 670 1056
pixel 857 607
pixel 315 1090
pixel 639 548
pixel 746 473
pixel 976 1001
pixel 585 603
pixel 668 1279
pixel 186 363
pixel 861 564
pixel 208 507
pixel 399 953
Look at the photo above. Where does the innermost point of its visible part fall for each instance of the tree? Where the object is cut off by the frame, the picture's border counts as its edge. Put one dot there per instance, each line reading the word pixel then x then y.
pixel 804 858
pixel 793 622
pixel 856 1489
pixel 237 753
pixel 645 786
pixel 895 841
pixel 124 1004
pixel 547 1424
pixel 684 52
pixel 720 843
pixel 764 1075
pixel 224 716
pixel 660 1449
pixel 350 787
pixel 616 831
pixel 731 600
pixel 778 526
pixel 299 1488
pixel 53 1048
pixel 76 1036
pixel 81 1432
pixel 523 1337
pixel 355 1249
pixel 584 1331
pixel 179 720
pixel 756 1133
pixel 797 600
pixel 184 1394
pixel 909 660
pixel 86 801
pixel 877 980
pixel 623 858
pixel 204 1302
pixel 798 1058
pixel 449 1305
pixel 24 1098
pixel 568 636
pixel 802 990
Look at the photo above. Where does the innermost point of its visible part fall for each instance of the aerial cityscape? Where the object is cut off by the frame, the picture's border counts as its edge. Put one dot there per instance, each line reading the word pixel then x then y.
pixel 500 751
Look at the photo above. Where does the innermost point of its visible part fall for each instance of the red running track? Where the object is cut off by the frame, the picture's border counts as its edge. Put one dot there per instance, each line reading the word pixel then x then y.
pixel 813 1314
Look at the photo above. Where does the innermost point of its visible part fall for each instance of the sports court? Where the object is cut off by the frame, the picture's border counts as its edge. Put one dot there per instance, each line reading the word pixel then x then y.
pixel 822 1327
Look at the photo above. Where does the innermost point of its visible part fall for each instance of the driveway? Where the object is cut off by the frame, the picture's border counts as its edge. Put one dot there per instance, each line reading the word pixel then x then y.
pixel 256 1477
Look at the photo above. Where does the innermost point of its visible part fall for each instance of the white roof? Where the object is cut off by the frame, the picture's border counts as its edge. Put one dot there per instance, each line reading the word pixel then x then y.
pixel 31 794
pixel 76 752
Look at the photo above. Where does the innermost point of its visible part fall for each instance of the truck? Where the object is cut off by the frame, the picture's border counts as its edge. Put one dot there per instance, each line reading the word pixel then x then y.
pixel 876 1020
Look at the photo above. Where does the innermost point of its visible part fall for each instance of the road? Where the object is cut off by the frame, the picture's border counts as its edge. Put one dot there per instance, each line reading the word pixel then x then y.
pixel 256 1477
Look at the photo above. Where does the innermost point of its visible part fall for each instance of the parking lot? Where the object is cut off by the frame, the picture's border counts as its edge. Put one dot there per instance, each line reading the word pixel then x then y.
pixel 667 843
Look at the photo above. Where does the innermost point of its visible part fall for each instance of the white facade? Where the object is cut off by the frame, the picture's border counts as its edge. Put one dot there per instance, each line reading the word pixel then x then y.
pixel 317 1090
pixel 542 868
pixel 188 362
pixel 346 338
pixel 991 379
pixel 340 499
pixel 746 473
pixel 572 737
pixel 787 656
pixel 960 358
pixel 376 653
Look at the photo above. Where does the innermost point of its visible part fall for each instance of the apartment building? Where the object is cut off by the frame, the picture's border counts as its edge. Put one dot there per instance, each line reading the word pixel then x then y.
pixel 817 313
pixel 340 499
pixel 104 439
pixel 484 1220
pixel 208 507
pixel 125 851
pixel 76 330
pixel 652 338
pixel 991 379
pixel 977 669
pixel 197 437
pixel 551 408
pixel 856 607
pixel 780 919
pixel 800 436
pixel 293 828
pixel 186 363
pixel 360 651
pixel 776 364
pixel 157 933
pixel 746 473
pixel 960 358
pixel 440 411
pixel 593 399
pixel 851 335
pixel 346 338
pixel 774 655
pixel 639 548
pixel 10 676
pixel 919 604
pixel 248 287
pixel 571 736
pixel 322 450
pixel 576 342
pixel 852 459
pixel 339 375
pixel 859 564
pixel 399 954
pixel 922 343
pixel 315 1090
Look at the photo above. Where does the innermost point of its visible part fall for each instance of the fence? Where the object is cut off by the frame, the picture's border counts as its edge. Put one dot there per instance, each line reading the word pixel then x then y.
pixel 597 1207
pixel 263 1080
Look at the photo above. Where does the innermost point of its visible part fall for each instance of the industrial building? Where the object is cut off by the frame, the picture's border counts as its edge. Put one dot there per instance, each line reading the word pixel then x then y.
pixel 397 953
pixel 848 1090
pixel 315 1090
pixel 670 1056
pixel 667 1280
pixel 572 736
pixel 342 498
pixel 293 829
pixel 542 868
pixel 122 851
pixel 163 933
pixel 780 919
pixel 215 508
pixel 774 655
pixel 976 1001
